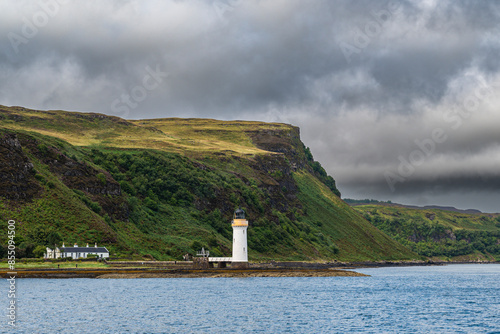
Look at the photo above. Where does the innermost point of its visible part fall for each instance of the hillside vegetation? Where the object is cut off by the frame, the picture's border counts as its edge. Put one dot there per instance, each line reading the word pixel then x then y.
pixel 439 233
pixel 166 187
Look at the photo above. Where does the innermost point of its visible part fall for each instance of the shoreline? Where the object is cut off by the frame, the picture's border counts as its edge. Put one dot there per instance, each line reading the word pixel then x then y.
pixel 155 269
pixel 364 264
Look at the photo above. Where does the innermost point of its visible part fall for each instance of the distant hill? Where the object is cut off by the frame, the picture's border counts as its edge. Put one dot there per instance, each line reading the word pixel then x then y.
pixel 355 202
pixel 162 188
pixel 438 231
pixel 446 208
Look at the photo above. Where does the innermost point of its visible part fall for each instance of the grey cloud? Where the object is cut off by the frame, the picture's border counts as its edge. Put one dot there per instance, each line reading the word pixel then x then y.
pixel 282 60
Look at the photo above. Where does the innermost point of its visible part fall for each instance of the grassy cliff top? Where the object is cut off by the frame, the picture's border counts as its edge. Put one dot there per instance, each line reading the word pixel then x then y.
pixel 187 136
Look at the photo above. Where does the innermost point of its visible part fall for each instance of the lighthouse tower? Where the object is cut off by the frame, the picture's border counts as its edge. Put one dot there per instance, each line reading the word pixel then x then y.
pixel 240 248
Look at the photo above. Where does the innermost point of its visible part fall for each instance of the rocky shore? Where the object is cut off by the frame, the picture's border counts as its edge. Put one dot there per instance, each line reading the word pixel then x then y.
pixel 178 269
pixel 243 274
pixel 177 273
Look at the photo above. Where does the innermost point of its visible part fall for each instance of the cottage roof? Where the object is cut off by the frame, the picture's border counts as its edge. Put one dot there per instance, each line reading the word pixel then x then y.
pixel 84 250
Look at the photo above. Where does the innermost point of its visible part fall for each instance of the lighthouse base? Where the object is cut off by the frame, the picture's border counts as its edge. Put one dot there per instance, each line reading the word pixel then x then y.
pixel 239 265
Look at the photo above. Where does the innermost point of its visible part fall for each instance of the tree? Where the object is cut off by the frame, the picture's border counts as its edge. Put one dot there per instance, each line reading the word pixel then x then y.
pixel 44 236
pixel 54 238
pixel 196 246
pixel 39 251
pixel 38 235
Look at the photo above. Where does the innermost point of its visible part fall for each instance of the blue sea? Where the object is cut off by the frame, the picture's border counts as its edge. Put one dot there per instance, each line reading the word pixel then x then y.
pixel 438 299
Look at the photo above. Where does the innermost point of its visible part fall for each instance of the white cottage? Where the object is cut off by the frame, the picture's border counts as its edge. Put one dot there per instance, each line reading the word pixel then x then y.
pixel 76 252
pixel 53 253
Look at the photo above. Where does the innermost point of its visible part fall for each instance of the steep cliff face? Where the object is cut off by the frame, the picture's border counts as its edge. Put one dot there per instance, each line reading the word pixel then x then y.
pixel 17 175
pixel 164 188
pixel 25 183
pixel 97 184
pixel 285 141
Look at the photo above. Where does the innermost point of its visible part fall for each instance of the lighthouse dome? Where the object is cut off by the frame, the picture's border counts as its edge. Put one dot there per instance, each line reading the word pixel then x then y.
pixel 239 214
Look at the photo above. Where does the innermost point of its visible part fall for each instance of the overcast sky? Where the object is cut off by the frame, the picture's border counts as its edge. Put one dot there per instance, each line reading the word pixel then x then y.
pixel 398 100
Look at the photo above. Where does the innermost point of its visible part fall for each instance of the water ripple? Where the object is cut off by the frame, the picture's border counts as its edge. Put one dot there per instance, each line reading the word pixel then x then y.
pixel 451 299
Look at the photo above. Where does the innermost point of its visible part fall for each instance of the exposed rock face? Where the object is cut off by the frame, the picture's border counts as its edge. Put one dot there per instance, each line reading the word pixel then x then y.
pixel 281 184
pixel 80 176
pixel 273 170
pixel 17 181
pixel 286 142
pixel 436 237
pixel 430 216
pixel 280 167
pixel 77 175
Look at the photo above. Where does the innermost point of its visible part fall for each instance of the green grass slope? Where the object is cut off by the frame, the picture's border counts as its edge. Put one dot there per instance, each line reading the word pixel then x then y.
pixel 164 188
pixel 346 228
pixel 439 233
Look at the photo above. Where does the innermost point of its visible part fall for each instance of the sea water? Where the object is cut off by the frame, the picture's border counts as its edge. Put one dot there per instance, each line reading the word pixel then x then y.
pixel 436 299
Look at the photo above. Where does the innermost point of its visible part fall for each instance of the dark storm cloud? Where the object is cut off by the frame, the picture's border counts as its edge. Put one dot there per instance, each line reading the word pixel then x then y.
pixel 364 80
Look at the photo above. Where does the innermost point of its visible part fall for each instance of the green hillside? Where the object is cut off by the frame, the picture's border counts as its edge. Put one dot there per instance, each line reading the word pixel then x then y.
pixel 439 233
pixel 166 187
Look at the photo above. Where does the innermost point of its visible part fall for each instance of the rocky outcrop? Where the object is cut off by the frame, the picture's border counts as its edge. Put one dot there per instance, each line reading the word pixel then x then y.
pixel 284 140
pixel 98 185
pixel 17 181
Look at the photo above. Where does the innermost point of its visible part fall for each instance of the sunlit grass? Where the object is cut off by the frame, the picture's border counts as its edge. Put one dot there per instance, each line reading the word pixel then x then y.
pixel 187 136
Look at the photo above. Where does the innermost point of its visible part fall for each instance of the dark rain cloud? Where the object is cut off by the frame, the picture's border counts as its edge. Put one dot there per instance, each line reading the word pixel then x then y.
pixel 365 80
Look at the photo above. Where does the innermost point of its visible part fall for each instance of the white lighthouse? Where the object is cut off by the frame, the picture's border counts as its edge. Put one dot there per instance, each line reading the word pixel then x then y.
pixel 240 248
